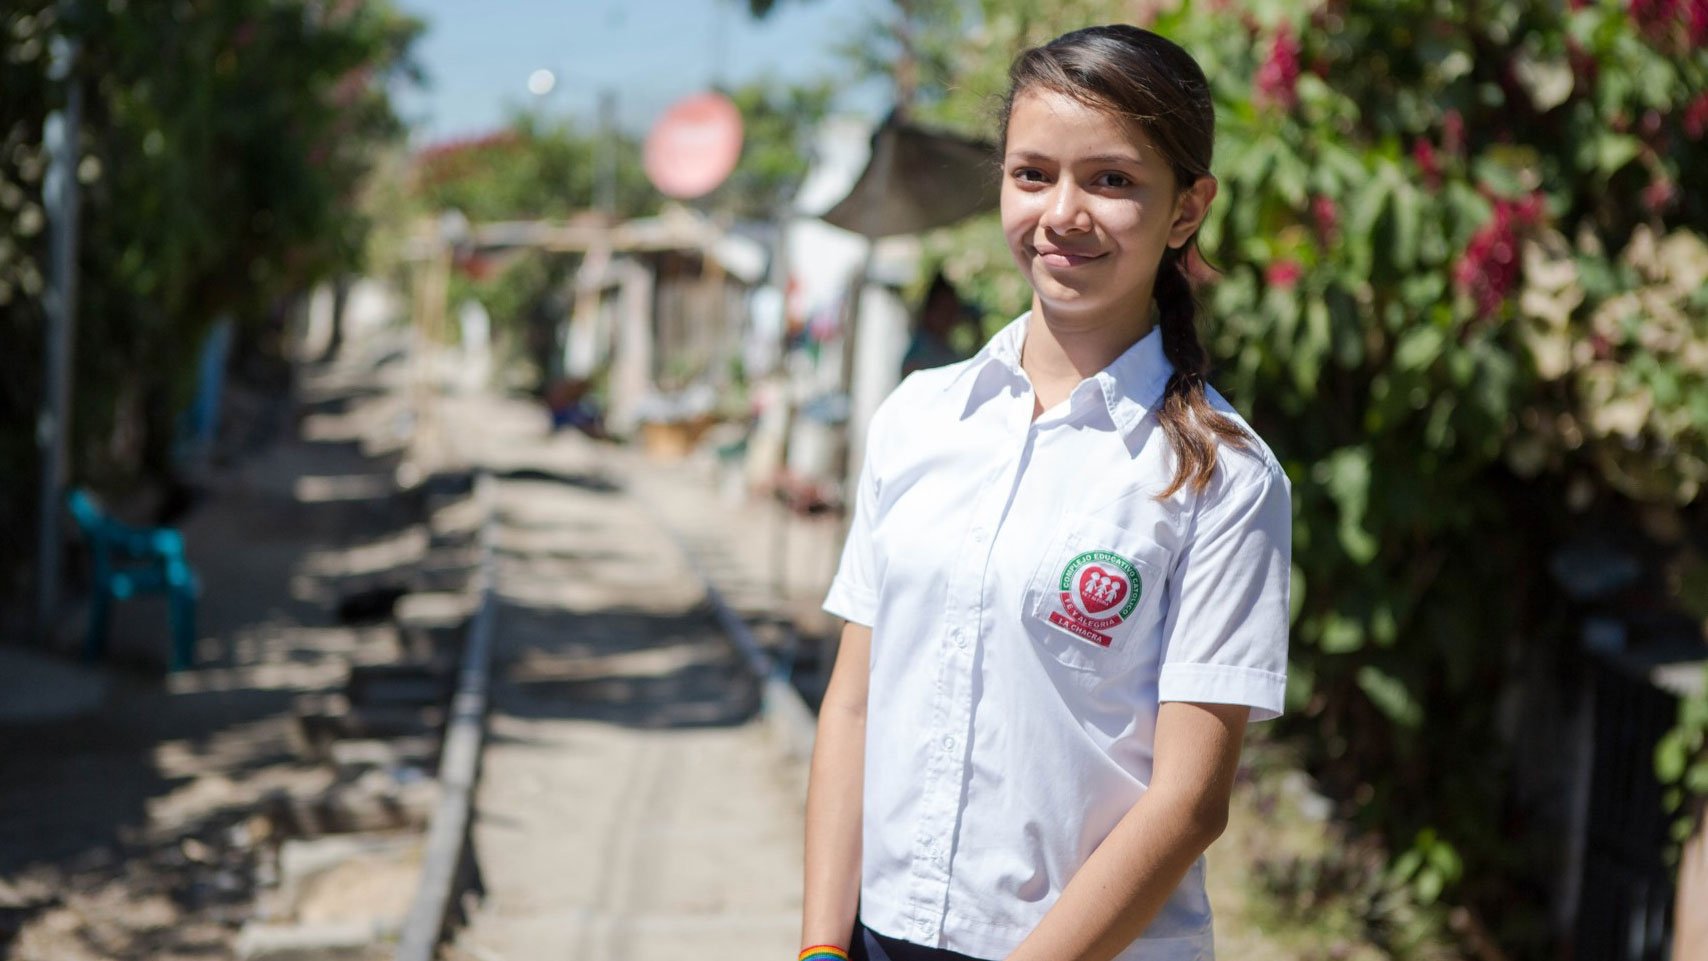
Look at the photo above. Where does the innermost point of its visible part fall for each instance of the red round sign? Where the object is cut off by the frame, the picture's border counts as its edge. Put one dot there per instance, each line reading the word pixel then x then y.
pixel 694 146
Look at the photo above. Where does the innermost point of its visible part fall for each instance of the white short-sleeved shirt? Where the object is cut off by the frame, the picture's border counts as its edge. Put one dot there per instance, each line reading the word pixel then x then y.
pixel 1031 603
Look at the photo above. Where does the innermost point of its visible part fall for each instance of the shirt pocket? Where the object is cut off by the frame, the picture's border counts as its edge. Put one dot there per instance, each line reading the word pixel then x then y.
pixel 1094 601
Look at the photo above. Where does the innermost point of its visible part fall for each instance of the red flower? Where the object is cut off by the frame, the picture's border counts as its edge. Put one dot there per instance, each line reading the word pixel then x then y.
pixel 1659 195
pixel 1423 152
pixel 1661 20
pixel 1584 67
pixel 1696 117
pixel 1489 269
pixel 1278 78
pixel 1283 274
pixel 1327 217
pixel 1453 132
pixel 1654 16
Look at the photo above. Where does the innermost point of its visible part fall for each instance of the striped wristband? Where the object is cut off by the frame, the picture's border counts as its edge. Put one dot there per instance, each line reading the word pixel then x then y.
pixel 824 952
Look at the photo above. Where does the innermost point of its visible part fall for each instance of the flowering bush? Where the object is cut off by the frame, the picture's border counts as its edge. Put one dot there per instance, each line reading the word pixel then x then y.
pixel 1461 290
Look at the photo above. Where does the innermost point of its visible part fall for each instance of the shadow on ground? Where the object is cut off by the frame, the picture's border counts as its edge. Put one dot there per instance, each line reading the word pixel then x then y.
pixel 622 666
pixel 127 824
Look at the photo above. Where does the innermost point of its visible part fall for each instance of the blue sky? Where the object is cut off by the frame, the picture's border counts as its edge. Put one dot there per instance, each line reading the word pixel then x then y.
pixel 479 53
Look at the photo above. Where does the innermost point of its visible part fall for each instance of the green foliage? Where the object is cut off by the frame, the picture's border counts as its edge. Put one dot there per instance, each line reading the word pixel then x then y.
pixel 223 146
pixel 776 119
pixel 535 170
pixel 1681 763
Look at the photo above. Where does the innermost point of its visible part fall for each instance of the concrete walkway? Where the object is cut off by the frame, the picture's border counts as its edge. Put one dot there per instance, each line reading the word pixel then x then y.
pixel 631 806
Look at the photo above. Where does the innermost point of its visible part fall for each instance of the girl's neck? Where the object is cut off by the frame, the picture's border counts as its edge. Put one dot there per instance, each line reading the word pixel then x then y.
pixel 1059 353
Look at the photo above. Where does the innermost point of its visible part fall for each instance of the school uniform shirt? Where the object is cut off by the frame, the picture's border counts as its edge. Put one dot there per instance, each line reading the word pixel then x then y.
pixel 1031 603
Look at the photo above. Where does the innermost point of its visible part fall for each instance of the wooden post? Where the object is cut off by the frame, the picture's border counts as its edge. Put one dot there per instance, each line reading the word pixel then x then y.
pixel 53 427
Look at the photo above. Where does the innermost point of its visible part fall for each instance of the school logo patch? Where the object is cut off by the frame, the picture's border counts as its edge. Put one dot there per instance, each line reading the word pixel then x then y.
pixel 1099 590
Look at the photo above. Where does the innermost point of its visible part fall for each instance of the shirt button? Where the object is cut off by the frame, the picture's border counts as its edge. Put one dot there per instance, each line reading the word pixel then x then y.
pixel 960 639
pixel 949 742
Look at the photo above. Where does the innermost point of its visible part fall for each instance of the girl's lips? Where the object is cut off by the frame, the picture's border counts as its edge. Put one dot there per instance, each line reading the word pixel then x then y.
pixel 1062 258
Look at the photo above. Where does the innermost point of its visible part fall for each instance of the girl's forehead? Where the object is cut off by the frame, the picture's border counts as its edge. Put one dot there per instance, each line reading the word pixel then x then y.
pixel 1047 120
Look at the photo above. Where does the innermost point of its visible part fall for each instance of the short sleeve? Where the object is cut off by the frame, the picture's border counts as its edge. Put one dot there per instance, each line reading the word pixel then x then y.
pixel 854 591
pixel 1225 636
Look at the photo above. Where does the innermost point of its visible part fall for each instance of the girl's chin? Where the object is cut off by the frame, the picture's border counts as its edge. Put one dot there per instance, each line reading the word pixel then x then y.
pixel 1061 301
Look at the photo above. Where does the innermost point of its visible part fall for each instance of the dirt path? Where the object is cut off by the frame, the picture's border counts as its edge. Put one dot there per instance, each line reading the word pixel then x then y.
pixel 631 807
pixel 132 831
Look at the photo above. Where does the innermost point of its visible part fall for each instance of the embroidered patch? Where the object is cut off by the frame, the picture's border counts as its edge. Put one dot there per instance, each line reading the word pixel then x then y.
pixel 1099 590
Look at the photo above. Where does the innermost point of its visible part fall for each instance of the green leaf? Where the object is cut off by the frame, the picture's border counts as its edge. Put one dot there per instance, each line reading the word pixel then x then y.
pixel 1341 635
pixel 1419 348
pixel 1671 756
pixel 1428 886
pixel 1345 475
pixel 1696 777
pixel 1614 150
pixel 1408 201
pixel 1390 696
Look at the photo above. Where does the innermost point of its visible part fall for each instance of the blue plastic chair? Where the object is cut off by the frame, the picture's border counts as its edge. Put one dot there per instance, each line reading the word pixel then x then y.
pixel 136 560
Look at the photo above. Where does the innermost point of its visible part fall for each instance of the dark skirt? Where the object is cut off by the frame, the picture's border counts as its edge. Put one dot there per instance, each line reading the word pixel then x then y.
pixel 868 945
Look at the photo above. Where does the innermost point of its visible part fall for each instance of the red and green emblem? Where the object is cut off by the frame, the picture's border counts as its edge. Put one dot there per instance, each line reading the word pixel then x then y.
pixel 1099 590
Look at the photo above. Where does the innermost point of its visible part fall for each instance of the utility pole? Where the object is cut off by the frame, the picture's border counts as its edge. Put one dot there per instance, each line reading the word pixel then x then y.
pixel 59 302
pixel 605 182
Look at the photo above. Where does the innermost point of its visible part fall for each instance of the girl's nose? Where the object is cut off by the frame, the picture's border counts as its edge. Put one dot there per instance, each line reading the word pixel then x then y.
pixel 1066 212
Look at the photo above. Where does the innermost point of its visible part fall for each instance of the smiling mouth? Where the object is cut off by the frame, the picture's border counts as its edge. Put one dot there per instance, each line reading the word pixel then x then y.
pixel 1055 257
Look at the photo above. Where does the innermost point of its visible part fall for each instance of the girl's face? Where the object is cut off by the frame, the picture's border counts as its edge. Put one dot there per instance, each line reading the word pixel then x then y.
pixel 1088 207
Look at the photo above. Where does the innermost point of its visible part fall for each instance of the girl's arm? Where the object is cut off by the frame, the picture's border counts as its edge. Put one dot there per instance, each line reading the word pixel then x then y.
pixel 834 787
pixel 1123 884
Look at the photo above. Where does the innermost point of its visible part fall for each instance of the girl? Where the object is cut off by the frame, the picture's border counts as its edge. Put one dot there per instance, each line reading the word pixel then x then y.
pixel 1066 579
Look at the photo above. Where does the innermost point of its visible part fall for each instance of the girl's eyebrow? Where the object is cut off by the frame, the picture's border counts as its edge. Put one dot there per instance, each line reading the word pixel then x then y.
pixel 1030 156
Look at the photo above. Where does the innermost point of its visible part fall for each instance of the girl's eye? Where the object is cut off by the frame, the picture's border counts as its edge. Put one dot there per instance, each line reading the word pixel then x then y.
pixel 1028 175
pixel 1115 180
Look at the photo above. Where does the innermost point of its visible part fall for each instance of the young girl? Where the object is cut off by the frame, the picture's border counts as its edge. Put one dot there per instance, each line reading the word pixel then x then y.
pixel 1066 579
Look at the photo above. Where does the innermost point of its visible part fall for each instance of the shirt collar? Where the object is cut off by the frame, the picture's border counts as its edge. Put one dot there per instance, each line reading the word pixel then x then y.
pixel 1131 386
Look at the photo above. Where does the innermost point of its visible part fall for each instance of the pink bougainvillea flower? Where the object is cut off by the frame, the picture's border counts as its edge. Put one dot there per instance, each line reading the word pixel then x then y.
pixel 1453 132
pixel 1278 78
pixel 1667 21
pixel 1283 274
pixel 1423 152
pixel 1654 17
pixel 1489 269
pixel 1327 217
pixel 1659 195
pixel 1696 117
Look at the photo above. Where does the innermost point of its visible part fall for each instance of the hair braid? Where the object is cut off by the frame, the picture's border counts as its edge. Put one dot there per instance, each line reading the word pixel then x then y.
pixel 1192 426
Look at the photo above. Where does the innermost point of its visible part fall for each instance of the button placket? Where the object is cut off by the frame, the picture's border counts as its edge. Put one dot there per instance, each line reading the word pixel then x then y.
pixel 951 714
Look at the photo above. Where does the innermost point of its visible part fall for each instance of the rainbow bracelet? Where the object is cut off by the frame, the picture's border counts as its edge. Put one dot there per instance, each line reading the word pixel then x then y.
pixel 824 952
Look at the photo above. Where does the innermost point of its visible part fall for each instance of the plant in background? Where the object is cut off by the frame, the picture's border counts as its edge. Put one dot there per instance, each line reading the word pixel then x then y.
pixel 534 170
pixel 1458 286
pixel 223 146
pixel 1681 762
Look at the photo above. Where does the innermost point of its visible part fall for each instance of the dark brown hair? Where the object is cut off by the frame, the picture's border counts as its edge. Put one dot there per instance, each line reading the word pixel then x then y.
pixel 1152 83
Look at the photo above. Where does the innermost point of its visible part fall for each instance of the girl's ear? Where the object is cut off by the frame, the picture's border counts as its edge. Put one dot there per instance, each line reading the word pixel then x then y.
pixel 1190 207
